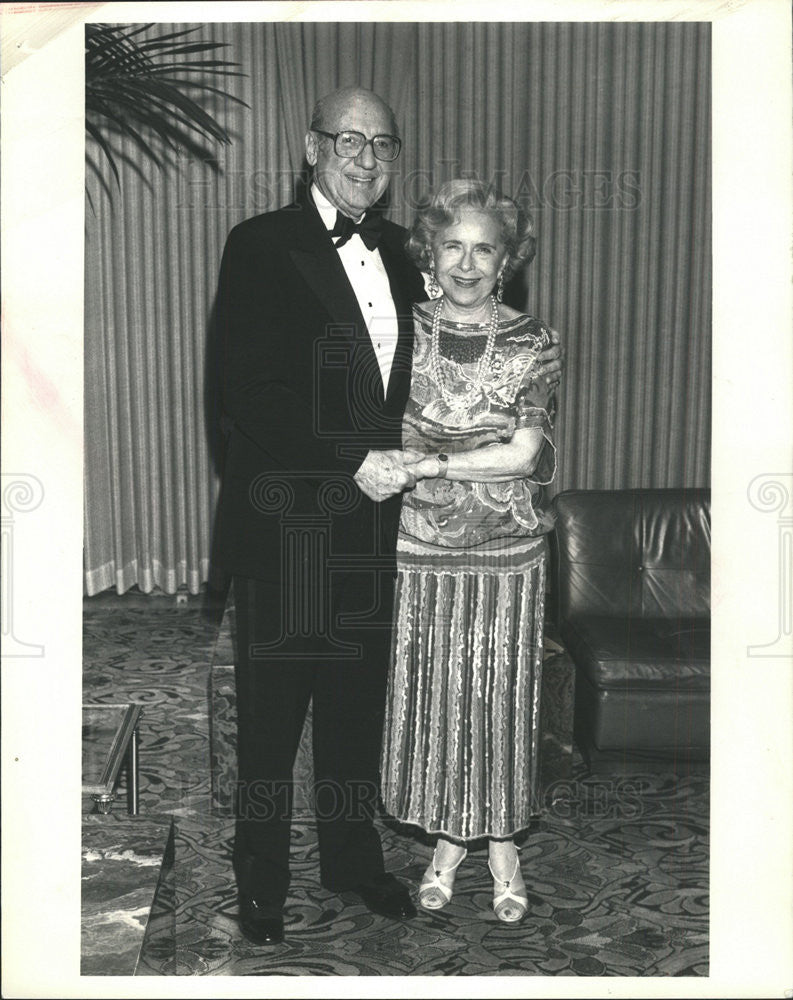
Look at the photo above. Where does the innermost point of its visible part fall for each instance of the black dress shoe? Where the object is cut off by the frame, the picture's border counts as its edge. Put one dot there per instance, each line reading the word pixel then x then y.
pixel 261 924
pixel 386 895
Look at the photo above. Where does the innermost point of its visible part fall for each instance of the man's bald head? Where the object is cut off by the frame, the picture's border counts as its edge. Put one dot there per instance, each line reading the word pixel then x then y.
pixel 331 108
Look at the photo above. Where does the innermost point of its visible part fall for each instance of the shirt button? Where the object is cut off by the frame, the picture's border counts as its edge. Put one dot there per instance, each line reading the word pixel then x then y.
pixel 370 304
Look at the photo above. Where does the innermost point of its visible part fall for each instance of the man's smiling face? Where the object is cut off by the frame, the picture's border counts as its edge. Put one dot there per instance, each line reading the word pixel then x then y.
pixel 352 185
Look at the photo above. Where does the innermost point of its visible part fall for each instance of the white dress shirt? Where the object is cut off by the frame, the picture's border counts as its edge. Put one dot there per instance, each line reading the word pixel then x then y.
pixel 370 283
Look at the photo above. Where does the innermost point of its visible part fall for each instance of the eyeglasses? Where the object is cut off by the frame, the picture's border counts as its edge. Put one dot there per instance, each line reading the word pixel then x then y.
pixel 350 144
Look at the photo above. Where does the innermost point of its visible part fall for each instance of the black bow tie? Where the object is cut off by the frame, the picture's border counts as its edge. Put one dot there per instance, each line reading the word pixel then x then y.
pixel 370 229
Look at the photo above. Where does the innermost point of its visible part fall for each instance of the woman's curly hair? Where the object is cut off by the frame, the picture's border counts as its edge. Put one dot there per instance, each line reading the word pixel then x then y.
pixel 442 209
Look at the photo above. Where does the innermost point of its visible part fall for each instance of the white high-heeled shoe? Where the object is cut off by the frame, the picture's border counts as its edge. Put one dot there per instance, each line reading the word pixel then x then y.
pixel 432 888
pixel 507 898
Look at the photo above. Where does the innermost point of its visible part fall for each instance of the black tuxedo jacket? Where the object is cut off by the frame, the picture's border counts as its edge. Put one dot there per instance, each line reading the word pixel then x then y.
pixel 304 394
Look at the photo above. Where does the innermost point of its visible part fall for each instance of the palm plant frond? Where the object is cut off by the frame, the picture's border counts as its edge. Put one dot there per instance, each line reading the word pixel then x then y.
pixel 195 85
pixel 142 87
pixel 97 135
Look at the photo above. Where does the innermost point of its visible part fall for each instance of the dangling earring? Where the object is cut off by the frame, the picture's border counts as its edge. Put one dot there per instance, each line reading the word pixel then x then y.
pixel 434 288
pixel 500 289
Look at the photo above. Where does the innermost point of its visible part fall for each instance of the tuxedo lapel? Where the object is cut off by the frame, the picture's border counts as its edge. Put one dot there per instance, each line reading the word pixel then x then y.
pixel 398 270
pixel 329 282
pixel 405 290
pixel 315 257
pixel 317 260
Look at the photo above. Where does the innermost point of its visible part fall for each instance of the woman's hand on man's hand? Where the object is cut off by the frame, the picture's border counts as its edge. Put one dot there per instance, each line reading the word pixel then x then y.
pixel 428 468
pixel 384 473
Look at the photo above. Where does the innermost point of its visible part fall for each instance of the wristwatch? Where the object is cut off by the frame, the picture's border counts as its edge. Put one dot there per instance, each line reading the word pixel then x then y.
pixel 443 464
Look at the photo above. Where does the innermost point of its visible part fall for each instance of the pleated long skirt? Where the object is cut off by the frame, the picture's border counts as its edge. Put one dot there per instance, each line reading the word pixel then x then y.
pixel 461 738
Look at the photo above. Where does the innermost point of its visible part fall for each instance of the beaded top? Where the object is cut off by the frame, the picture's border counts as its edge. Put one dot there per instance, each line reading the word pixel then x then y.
pixel 460 346
pixel 459 342
pixel 455 513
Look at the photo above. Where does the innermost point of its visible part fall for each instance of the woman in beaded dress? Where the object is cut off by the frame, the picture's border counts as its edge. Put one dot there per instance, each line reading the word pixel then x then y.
pixel 460 751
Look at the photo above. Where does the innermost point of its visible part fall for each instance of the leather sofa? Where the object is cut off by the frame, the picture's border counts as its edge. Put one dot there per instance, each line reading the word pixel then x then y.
pixel 632 575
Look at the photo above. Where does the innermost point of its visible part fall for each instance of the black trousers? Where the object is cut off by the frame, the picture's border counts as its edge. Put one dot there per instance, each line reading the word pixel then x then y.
pixel 274 683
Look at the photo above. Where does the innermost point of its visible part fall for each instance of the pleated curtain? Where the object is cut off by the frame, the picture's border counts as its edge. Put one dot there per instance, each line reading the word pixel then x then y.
pixel 601 131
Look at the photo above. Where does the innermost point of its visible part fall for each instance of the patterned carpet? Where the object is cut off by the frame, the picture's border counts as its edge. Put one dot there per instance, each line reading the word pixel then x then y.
pixel 617 869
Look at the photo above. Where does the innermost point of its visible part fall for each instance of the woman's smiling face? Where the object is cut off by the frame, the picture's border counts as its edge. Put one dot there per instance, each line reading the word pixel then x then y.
pixel 469 256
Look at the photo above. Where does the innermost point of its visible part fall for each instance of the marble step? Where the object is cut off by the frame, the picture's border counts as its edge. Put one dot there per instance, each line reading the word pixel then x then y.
pixel 128 925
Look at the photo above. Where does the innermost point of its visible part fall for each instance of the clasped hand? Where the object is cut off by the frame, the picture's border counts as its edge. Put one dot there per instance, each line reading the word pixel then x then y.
pixel 384 473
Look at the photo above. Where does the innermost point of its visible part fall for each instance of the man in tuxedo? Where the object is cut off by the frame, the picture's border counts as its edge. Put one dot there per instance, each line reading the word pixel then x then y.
pixel 314 311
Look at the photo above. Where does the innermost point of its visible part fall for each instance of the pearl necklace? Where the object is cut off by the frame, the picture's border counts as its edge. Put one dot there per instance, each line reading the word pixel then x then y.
pixel 474 388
